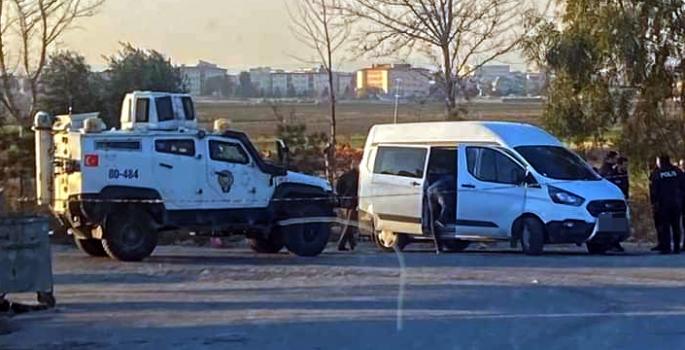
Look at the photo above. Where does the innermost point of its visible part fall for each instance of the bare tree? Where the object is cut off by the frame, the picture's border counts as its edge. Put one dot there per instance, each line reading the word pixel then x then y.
pixel 459 36
pixel 28 30
pixel 321 26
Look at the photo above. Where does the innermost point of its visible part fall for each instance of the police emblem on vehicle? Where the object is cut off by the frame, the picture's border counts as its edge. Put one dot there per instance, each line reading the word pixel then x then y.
pixel 225 179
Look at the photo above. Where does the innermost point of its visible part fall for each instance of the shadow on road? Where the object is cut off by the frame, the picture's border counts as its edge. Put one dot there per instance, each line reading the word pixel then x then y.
pixel 428 258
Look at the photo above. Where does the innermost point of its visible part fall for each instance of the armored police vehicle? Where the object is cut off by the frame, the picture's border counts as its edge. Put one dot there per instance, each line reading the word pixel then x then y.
pixel 116 190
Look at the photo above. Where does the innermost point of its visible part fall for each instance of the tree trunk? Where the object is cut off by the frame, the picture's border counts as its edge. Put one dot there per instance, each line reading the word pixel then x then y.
pixel 450 91
pixel 331 156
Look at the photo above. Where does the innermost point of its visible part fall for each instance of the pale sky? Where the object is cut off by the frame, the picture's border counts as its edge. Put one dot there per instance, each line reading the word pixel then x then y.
pixel 236 34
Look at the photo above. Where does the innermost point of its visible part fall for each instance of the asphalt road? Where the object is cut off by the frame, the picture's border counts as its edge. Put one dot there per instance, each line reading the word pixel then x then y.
pixel 192 298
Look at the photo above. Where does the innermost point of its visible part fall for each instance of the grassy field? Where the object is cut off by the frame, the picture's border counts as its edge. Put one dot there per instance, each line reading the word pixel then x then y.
pixel 354 118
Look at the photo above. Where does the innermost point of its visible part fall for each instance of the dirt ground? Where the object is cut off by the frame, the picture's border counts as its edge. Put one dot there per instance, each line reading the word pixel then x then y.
pixel 203 298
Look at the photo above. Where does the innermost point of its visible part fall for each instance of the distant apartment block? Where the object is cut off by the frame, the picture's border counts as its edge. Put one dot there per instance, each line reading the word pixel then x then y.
pixel 269 82
pixel 390 79
pixel 196 77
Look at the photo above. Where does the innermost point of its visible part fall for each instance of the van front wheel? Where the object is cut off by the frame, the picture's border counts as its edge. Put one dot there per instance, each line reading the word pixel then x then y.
pixel 532 236
pixel 387 241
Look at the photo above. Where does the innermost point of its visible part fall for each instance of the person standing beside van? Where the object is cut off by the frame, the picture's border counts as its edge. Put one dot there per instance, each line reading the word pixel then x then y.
pixel 347 187
pixel 607 168
pixel 667 198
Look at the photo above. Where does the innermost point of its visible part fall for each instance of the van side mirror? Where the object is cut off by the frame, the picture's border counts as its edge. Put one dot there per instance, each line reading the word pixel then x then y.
pixel 529 180
pixel 283 152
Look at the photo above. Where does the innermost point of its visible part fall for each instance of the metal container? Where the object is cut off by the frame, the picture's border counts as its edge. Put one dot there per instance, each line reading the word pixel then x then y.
pixel 25 256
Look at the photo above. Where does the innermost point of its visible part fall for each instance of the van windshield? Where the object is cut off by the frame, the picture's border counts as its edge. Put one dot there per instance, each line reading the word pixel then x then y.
pixel 557 163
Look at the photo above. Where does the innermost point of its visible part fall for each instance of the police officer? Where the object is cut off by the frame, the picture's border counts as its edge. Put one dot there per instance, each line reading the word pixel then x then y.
pixel 608 164
pixel 667 198
pixel 681 165
pixel 652 169
pixel 619 176
pixel 347 187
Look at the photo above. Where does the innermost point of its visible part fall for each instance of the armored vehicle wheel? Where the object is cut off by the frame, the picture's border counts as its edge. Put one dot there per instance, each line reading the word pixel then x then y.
pixel 306 238
pixel 92 247
pixel 129 236
pixel 271 245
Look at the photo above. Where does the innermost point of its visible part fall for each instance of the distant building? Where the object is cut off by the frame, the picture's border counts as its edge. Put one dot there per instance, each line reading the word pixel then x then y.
pixel 391 79
pixel 280 83
pixel 261 81
pixel 196 77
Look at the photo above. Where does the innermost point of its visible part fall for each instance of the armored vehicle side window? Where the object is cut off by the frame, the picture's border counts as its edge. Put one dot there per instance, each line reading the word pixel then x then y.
pixel 183 147
pixel 399 161
pixel 165 109
pixel 142 110
pixel 118 145
pixel 188 108
pixel 227 152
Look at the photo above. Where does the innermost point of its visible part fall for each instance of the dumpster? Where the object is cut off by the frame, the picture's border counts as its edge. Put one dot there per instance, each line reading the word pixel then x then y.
pixel 25 257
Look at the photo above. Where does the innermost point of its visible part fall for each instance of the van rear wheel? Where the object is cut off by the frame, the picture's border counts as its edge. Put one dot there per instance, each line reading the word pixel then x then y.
pixel 387 241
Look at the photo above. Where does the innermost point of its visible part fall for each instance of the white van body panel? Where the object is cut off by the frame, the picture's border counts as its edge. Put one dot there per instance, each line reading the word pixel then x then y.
pixel 492 207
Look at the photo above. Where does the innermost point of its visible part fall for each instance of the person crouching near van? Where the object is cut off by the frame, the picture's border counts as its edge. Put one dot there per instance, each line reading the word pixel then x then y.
pixel 347 188
pixel 440 207
pixel 668 189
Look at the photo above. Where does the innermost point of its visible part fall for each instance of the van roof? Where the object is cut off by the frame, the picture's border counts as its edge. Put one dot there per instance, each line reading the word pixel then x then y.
pixel 504 133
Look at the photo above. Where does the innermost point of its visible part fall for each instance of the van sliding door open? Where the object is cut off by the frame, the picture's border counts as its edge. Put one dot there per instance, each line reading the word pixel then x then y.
pixel 397 187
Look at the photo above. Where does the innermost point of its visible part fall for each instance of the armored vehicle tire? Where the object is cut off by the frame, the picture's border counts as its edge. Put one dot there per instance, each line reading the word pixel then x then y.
pixel 387 241
pixel 455 245
pixel 307 238
pixel 92 247
pixel 532 236
pixel 271 245
pixel 129 236
pixel 597 248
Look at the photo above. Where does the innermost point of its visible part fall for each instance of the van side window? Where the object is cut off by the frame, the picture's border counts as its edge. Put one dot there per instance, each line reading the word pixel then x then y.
pixel 399 161
pixel 183 147
pixel 496 167
pixel 471 157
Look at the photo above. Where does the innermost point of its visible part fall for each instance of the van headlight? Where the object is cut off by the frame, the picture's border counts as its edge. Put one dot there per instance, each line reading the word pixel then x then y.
pixel 560 196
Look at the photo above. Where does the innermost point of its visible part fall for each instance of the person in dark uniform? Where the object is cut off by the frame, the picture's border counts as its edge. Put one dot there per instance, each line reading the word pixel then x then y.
pixel 347 187
pixel 667 198
pixel 608 164
pixel 618 175
pixel 681 165
pixel 652 168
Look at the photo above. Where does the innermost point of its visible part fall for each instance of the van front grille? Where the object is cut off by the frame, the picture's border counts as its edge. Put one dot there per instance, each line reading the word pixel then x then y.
pixel 609 206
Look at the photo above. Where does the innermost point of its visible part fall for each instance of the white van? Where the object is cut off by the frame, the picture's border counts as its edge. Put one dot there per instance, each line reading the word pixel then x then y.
pixel 513 182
